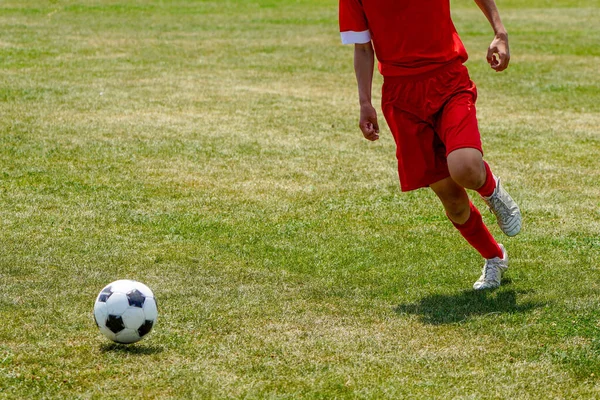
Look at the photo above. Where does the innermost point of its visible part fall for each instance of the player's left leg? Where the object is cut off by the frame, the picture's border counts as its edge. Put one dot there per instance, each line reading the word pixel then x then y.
pixel 467 219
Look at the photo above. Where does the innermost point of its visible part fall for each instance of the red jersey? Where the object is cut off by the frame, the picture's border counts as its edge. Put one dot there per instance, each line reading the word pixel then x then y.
pixel 410 37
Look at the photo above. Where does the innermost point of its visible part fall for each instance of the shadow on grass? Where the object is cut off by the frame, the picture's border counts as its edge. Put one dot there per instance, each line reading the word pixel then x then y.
pixel 438 309
pixel 130 349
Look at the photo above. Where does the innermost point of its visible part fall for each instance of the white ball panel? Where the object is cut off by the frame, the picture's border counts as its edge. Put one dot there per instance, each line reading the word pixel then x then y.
pixel 127 336
pixel 122 285
pixel 117 304
pixel 100 313
pixel 107 332
pixel 150 310
pixel 143 288
pixel 133 318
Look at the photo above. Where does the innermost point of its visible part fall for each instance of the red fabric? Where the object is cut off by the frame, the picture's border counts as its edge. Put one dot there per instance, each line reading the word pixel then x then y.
pixel 430 117
pixel 352 16
pixel 410 37
pixel 478 235
pixel 490 183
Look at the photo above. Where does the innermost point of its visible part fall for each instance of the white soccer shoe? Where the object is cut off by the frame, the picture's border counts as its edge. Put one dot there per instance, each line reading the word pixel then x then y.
pixel 491 275
pixel 505 209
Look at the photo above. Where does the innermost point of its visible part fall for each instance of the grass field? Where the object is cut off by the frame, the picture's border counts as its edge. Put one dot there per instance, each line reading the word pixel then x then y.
pixel 210 149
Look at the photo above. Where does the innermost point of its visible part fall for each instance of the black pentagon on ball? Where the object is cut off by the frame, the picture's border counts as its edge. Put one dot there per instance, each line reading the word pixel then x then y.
pixel 115 323
pixel 105 294
pixel 136 298
pixel 145 328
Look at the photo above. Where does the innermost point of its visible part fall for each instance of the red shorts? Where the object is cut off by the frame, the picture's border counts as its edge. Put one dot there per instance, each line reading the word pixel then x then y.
pixel 430 116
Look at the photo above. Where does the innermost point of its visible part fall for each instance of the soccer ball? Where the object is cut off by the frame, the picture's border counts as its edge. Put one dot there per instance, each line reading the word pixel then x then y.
pixel 125 311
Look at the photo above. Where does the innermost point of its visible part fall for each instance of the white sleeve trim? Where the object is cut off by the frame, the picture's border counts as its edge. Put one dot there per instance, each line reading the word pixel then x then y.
pixel 351 37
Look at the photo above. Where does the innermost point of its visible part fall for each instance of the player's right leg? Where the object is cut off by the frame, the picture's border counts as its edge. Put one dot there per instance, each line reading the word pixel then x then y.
pixel 467 219
pixel 468 169
pixel 457 127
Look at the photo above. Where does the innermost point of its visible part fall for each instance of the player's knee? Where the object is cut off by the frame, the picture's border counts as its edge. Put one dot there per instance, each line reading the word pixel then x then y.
pixel 454 199
pixel 466 167
pixel 468 174
pixel 458 215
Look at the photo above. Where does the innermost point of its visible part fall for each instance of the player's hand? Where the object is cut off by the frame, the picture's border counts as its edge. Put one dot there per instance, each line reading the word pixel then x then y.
pixel 368 122
pixel 498 54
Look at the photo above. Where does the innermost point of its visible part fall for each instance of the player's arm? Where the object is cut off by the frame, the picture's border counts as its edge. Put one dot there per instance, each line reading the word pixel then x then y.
pixel 364 58
pixel 499 46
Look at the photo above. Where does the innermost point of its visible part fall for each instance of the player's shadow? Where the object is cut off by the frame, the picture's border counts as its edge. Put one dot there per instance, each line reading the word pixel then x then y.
pixel 130 349
pixel 439 309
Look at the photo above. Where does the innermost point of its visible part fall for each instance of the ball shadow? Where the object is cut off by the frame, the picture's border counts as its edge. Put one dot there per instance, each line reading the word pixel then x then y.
pixel 135 348
pixel 439 309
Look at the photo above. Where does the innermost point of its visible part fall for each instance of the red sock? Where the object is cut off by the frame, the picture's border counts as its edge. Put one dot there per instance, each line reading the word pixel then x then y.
pixel 478 235
pixel 490 183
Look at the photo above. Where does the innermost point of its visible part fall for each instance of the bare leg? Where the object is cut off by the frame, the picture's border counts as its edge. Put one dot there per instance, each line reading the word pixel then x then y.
pixel 454 198
pixel 466 168
pixel 466 218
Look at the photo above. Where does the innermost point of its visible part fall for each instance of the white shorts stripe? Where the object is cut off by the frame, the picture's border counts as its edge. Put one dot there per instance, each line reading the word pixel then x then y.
pixel 351 37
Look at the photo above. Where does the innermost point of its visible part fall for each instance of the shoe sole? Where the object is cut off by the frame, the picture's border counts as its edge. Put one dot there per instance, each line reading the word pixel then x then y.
pixel 513 229
pixel 486 288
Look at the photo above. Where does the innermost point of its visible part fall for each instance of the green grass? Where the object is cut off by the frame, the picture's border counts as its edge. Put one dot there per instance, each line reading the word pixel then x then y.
pixel 210 150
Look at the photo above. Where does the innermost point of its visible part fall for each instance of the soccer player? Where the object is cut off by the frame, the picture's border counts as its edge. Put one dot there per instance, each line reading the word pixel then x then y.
pixel 428 101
